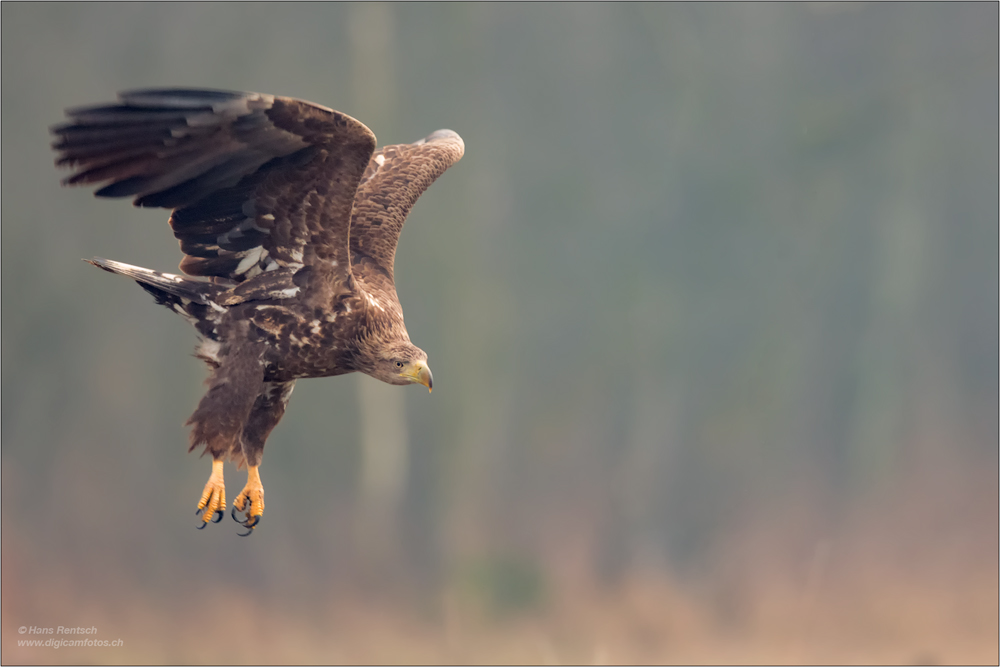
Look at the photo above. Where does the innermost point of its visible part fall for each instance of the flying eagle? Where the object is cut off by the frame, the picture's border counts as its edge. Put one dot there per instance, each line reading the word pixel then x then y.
pixel 289 219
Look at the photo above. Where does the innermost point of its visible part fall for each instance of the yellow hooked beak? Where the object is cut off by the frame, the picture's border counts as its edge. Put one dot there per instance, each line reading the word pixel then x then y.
pixel 421 374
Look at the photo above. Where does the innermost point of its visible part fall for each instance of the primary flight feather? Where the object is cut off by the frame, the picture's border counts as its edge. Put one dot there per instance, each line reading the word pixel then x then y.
pixel 289 219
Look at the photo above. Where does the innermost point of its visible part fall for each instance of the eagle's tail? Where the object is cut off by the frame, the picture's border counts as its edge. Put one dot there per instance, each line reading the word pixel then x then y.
pixel 196 300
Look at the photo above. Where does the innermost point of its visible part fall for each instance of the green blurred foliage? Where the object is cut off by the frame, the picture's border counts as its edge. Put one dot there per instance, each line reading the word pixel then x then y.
pixel 501 586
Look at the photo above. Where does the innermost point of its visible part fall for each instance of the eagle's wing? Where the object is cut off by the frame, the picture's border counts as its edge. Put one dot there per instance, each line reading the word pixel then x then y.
pixel 396 176
pixel 256 182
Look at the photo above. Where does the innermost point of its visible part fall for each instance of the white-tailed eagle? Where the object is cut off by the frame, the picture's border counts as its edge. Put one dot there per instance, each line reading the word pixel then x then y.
pixel 289 219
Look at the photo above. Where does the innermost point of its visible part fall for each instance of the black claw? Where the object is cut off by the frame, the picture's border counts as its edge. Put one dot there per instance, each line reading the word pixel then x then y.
pixel 249 524
pixel 216 517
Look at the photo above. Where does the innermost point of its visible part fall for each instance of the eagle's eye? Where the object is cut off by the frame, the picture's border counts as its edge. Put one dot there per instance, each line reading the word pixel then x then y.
pixel 399 364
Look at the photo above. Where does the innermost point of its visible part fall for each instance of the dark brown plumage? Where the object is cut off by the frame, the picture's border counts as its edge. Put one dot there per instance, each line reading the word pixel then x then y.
pixel 290 221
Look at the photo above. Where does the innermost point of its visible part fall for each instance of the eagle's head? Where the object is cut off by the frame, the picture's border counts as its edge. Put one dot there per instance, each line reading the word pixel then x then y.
pixel 402 363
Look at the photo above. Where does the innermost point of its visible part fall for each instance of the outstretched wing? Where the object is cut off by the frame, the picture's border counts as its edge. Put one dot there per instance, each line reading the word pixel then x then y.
pixel 396 176
pixel 257 182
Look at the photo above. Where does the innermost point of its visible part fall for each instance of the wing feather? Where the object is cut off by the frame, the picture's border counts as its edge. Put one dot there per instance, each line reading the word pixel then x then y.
pixel 395 178
pixel 256 182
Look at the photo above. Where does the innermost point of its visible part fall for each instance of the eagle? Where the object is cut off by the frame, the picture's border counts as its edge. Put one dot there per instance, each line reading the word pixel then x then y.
pixel 288 219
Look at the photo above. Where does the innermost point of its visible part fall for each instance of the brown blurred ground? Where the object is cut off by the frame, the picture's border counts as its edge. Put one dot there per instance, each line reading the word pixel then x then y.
pixel 894 580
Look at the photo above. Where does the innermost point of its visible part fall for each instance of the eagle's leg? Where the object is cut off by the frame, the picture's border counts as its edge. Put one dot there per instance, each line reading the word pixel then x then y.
pixel 265 415
pixel 213 498
pixel 222 411
pixel 250 501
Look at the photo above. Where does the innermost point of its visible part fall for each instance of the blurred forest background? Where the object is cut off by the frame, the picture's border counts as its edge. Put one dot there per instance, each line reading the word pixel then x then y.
pixel 711 304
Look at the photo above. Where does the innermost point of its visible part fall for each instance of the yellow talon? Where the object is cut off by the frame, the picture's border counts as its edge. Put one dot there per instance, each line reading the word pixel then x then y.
pixel 251 499
pixel 213 498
